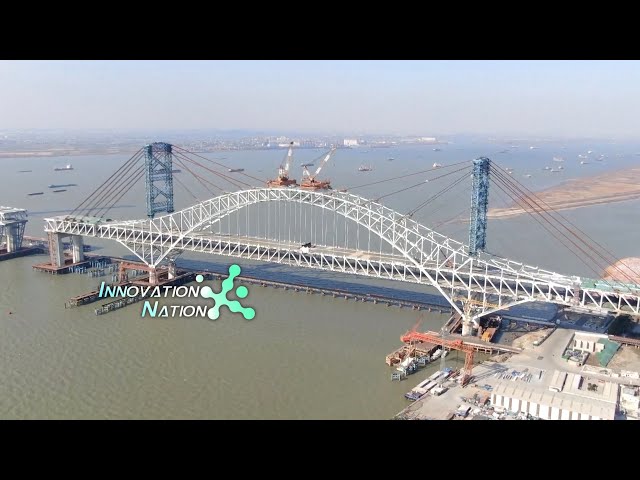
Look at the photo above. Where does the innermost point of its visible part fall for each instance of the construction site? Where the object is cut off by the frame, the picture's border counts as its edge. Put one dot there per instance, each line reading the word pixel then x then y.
pixel 562 375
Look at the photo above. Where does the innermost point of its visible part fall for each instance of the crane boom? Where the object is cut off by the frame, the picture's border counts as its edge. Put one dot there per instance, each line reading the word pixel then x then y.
pixel 289 157
pixel 324 160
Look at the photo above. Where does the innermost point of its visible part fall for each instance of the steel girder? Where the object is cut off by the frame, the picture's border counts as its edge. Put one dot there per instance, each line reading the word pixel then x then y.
pixel 423 256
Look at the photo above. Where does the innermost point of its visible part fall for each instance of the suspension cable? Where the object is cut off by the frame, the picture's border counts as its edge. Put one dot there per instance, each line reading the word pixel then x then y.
pixel 452 185
pixel 199 178
pixel 219 164
pixel 421 183
pixel 236 183
pixel 602 253
pixel 108 192
pixel 430 170
pixel 522 201
pixel 134 158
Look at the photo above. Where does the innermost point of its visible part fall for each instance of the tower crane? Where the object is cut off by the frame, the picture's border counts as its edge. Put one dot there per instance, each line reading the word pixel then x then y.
pixel 309 181
pixel 283 179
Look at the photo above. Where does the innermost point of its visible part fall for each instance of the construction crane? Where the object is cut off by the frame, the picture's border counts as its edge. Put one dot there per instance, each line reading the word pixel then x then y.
pixel 283 179
pixel 431 337
pixel 309 181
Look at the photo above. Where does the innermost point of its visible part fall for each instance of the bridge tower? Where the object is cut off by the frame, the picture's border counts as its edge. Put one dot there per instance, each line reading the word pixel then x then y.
pixel 158 166
pixel 479 204
pixel 12 224
pixel 477 226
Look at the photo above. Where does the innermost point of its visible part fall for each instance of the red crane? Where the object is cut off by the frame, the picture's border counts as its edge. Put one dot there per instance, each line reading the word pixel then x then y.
pixel 283 179
pixel 431 337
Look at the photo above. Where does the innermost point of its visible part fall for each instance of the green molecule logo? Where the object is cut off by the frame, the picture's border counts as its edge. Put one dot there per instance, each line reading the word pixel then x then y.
pixel 221 299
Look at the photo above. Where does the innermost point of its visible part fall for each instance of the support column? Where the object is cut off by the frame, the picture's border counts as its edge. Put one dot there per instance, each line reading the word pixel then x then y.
pixel 153 276
pixel 467 326
pixel 172 270
pixel 77 248
pixel 13 242
pixel 56 250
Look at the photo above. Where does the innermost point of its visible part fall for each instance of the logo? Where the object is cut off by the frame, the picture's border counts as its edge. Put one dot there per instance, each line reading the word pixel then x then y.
pixel 134 293
pixel 220 299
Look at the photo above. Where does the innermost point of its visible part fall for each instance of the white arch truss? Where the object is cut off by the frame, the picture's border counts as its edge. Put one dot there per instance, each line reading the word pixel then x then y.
pixel 484 283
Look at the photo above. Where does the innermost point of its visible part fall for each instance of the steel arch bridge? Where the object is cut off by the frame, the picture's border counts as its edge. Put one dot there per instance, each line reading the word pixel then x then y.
pixel 473 285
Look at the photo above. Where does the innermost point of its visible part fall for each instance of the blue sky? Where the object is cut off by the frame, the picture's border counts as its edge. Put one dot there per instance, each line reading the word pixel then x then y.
pixel 559 98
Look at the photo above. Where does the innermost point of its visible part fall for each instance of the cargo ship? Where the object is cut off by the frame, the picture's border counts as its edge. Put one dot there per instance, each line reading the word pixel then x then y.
pixel 35 193
pixel 236 170
pixel 62 169
pixel 58 191
pixel 62 185
pixel 365 168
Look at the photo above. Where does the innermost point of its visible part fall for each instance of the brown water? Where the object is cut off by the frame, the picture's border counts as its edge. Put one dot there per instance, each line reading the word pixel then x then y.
pixel 303 356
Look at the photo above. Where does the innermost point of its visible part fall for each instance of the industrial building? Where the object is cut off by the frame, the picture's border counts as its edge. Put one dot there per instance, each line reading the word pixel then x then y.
pixel 630 402
pixel 603 348
pixel 563 396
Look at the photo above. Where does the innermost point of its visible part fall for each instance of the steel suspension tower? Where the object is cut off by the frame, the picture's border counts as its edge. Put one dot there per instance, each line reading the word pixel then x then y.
pixel 158 165
pixel 479 204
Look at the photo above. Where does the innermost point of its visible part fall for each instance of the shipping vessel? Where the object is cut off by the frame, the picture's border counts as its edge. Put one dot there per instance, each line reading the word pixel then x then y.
pixel 66 167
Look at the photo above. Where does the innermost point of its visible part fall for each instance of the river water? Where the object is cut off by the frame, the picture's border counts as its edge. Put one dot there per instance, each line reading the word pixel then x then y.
pixel 303 356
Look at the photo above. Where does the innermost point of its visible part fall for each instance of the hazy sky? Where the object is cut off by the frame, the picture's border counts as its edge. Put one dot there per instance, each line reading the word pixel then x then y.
pixel 575 98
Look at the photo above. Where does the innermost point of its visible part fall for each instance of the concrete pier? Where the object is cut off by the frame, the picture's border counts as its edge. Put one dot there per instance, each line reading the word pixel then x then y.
pixel 77 248
pixel 56 250
pixel 12 225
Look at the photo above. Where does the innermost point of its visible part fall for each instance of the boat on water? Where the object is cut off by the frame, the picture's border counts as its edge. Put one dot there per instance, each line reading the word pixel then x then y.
pixel 583 162
pixel 436 354
pixel 528 175
pixel 436 165
pixel 590 151
pixel 533 148
pixel 553 170
pixel 365 168
pixel 437 149
pixel 421 389
pixel 24 171
pixel 547 168
pixel 58 191
pixel 391 159
pixel 304 165
pixel 176 170
pixel 62 185
pixel 404 364
pixel 62 169
pixel 236 170
pixel 560 167
pixel 35 193
pixel 558 159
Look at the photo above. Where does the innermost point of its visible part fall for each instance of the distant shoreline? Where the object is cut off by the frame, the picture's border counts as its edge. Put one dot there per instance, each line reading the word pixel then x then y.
pixel 62 153
pixel 605 188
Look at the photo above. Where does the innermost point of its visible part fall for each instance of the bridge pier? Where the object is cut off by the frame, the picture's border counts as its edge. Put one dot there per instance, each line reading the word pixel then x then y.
pixel 153 276
pixel 56 249
pixel 14 237
pixel 172 270
pixel 77 248
pixel 12 225
pixel 468 326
